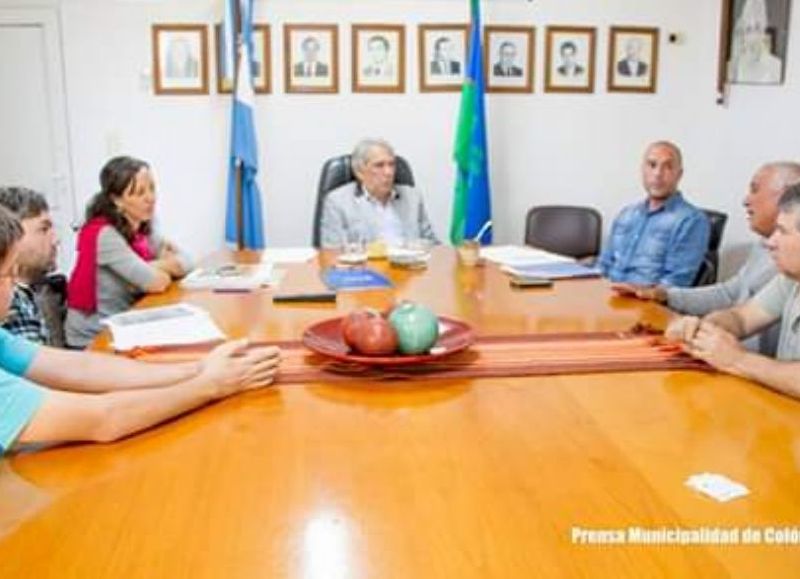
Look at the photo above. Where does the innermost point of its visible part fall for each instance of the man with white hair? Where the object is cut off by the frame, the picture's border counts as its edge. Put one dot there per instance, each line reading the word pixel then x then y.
pixel 374 207
pixel 714 338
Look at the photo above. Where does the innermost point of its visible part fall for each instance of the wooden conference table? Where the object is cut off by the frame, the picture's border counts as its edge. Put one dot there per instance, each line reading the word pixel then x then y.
pixel 450 478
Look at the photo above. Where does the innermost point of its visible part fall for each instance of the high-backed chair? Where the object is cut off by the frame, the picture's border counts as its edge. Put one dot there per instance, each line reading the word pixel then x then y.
pixel 565 229
pixel 336 172
pixel 707 274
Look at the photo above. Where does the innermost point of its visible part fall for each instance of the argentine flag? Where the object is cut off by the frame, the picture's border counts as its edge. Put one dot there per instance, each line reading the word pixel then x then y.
pixel 244 149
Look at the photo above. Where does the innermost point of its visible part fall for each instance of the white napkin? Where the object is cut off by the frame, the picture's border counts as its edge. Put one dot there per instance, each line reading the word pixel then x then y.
pixel 717 486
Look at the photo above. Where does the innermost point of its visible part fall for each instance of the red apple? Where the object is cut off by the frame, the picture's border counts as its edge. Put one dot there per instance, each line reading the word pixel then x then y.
pixel 352 322
pixel 367 332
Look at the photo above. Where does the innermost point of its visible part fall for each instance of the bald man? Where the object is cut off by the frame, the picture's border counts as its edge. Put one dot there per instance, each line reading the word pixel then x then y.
pixel 662 239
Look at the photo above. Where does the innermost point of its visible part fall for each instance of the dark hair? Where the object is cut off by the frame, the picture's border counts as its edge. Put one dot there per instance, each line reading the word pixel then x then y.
pixel 439 41
pixel 504 44
pixel 116 177
pixel 790 201
pixel 308 41
pixel 10 232
pixel 568 44
pixel 24 203
pixel 379 38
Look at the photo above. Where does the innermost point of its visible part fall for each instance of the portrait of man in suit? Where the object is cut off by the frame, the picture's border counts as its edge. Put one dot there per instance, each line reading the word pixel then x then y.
pixel 443 62
pixel 569 65
pixel 632 64
pixel 310 66
pixel 379 60
pixel 506 64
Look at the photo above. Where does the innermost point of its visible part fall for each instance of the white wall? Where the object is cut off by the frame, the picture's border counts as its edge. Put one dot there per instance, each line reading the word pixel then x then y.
pixel 545 148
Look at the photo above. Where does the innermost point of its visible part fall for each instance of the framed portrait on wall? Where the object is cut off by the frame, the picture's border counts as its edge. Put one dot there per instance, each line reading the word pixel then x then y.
pixel 755 37
pixel 379 58
pixel 442 50
pixel 509 58
pixel 262 62
pixel 569 59
pixel 632 59
pixel 311 58
pixel 180 59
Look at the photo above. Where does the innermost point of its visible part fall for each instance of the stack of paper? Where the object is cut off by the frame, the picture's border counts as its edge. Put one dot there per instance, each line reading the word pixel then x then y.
pixel 521 255
pixel 231 276
pixel 288 254
pixel 561 270
pixel 162 326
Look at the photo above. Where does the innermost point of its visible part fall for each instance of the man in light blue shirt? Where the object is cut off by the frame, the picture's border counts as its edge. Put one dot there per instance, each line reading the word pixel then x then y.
pixel 661 240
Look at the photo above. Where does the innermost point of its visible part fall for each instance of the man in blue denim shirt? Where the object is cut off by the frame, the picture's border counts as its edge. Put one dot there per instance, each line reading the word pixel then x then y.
pixel 661 240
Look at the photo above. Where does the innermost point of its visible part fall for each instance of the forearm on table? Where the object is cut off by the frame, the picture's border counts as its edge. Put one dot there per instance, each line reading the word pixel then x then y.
pixel 783 377
pixel 97 372
pixel 66 416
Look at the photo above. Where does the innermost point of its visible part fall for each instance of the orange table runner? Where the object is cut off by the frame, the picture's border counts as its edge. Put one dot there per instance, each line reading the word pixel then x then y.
pixel 489 356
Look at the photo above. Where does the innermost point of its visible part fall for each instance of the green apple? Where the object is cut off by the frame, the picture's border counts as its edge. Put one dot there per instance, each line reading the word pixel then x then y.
pixel 417 327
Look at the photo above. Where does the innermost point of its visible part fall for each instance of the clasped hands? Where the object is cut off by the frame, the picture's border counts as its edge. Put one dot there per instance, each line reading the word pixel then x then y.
pixel 706 341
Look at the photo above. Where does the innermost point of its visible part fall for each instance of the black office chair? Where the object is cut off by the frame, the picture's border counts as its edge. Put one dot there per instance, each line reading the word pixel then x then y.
pixel 568 230
pixel 50 294
pixel 336 172
pixel 707 274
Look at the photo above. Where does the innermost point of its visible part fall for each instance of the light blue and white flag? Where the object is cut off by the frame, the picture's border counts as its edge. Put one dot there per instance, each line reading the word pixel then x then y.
pixel 244 149
pixel 227 44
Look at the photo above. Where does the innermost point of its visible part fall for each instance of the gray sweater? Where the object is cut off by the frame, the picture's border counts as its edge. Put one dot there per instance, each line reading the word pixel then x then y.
pixel 755 273
pixel 122 277
pixel 349 212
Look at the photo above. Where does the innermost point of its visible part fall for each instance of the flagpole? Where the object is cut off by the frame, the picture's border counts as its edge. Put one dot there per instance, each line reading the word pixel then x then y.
pixel 239 176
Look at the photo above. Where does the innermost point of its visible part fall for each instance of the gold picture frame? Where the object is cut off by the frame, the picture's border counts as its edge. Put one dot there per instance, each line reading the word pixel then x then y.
pixel 442 52
pixel 570 59
pixel 378 58
pixel 262 60
pixel 633 59
pixel 311 58
pixel 180 59
pixel 509 58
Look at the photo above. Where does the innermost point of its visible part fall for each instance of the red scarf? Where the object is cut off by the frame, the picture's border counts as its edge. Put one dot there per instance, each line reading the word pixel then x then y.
pixel 82 288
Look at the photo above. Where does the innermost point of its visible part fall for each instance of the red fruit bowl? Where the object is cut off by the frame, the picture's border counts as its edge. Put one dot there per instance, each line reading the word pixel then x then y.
pixel 325 338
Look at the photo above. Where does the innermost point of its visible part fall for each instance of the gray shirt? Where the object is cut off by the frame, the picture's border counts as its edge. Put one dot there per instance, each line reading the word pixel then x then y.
pixel 350 213
pixel 122 277
pixel 780 298
pixel 755 273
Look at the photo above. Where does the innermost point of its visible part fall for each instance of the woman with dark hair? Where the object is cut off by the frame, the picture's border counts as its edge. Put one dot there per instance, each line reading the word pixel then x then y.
pixel 120 257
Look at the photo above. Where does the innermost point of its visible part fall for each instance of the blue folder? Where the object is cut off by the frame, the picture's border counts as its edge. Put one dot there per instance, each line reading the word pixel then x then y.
pixel 347 278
